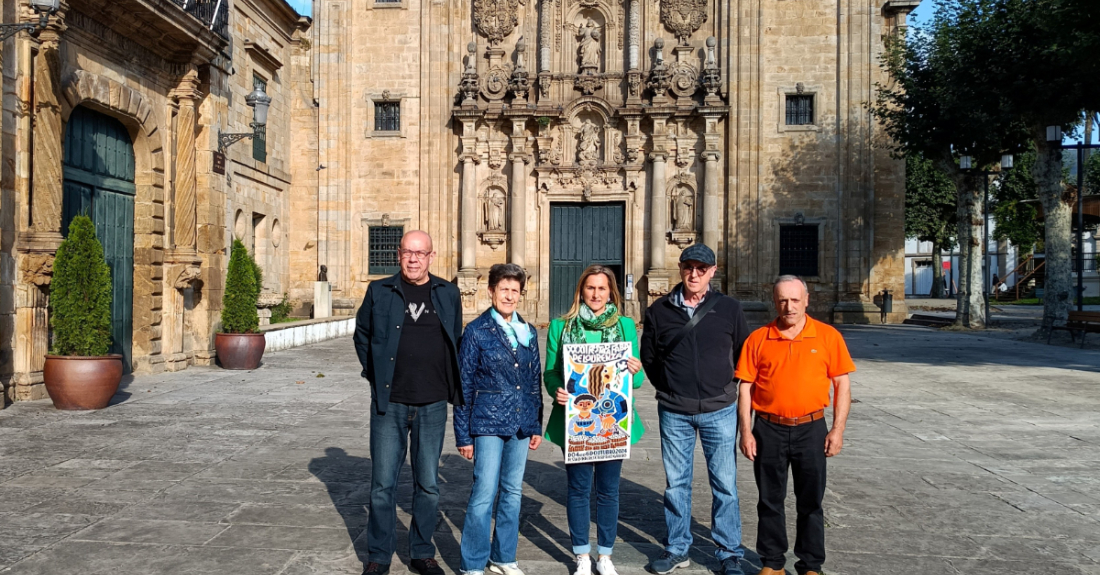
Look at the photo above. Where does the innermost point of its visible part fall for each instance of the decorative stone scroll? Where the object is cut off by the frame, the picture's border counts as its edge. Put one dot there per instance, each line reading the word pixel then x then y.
pixel 496 19
pixel 683 17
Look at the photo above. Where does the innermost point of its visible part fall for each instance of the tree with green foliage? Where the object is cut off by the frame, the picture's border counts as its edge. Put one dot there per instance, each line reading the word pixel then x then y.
pixel 80 293
pixel 1013 218
pixel 930 213
pixel 242 291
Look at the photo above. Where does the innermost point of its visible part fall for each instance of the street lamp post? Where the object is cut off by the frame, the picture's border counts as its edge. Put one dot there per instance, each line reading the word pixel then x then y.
pixel 260 102
pixel 44 9
pixel 1054 136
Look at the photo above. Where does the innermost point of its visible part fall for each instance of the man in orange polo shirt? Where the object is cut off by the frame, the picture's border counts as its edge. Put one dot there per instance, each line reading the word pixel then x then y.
pixel 786 370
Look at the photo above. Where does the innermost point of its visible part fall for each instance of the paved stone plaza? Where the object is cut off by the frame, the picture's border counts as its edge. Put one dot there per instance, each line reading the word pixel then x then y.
pixel 964 454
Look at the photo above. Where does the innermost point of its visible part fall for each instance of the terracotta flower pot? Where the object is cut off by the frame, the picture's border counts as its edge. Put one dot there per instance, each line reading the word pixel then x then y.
pixel 240 350
pixel 77 382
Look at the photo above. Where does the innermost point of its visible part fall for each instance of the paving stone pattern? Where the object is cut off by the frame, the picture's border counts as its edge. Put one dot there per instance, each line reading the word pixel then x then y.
pixel 964 454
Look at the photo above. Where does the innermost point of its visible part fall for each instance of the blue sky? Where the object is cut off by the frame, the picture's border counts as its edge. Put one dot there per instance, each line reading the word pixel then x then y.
pixel 923 12
pixel 304 7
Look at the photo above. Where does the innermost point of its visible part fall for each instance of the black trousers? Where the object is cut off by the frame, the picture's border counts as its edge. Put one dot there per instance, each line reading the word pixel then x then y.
pixel 802 449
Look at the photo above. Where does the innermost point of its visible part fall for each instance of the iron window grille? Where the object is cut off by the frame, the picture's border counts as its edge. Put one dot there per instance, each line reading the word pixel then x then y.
pixel 800 109
pixel 259 139
pixel 382 254
pixel 798 250
pixel 387 116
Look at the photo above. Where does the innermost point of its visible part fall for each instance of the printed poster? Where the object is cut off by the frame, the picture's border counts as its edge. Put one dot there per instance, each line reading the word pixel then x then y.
pixel 598 415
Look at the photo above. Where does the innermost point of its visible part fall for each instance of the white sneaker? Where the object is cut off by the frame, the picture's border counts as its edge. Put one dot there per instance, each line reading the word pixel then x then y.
pixel 584 565
pixel 605 567
pixel 505 568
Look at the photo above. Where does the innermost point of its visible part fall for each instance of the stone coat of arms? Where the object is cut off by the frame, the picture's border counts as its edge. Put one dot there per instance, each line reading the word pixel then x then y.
pixel 683 17
pixel 496 19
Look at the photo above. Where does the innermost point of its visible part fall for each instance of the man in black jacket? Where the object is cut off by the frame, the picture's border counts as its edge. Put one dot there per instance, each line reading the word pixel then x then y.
pixel 406 336
pixel 697 397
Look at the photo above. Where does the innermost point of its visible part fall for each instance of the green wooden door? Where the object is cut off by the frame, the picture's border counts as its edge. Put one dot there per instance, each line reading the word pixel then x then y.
pixel 582 235
pixel 99 182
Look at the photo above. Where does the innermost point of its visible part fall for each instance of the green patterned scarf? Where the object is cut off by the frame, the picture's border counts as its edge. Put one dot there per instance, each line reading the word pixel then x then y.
pixel 588 321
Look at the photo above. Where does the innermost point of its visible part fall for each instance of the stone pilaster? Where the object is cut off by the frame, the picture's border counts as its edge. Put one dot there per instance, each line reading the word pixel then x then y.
pixel 658 213
pixel 517 228
pixel 711 199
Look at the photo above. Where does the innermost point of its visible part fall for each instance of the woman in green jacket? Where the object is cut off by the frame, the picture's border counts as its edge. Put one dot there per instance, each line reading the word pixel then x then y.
pixel 593 318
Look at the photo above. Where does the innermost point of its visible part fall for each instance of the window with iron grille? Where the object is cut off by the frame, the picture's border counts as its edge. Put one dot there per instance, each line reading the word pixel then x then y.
pixel 798 250
pixel 259 138
pixel 800 109
pixel 384 241
pixel 387 116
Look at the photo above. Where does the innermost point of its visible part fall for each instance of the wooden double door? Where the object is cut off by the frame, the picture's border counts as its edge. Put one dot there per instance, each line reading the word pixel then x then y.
pixel 582 235
pixel 99 183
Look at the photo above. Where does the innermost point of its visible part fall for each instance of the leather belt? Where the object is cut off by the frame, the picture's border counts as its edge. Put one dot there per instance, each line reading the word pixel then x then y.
pixel 792 421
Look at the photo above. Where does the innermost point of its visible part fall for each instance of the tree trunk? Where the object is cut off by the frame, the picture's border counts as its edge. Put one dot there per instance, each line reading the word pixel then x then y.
pixel 1058 240
pixel 975 286
pixel 937 270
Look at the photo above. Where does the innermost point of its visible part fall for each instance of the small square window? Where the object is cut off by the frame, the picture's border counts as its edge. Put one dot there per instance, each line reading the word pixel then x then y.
pixel 798 250
pixel 387 116
pixel 382 255
pixel 800 109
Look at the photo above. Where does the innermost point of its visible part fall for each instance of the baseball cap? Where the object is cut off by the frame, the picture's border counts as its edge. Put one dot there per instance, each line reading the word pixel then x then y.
pixel 698 252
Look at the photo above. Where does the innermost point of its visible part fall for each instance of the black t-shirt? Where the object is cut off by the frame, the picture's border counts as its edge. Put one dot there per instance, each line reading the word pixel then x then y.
pixel 423 372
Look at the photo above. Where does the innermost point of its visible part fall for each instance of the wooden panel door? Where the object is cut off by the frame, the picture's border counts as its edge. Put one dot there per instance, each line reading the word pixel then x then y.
pixel 99 183
pixel 582 235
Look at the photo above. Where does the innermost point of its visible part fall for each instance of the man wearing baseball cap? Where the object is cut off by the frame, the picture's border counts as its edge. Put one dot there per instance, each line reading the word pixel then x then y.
pixel 690 341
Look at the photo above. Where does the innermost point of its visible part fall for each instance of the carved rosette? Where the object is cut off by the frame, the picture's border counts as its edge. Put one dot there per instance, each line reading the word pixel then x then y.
pixel 496 19
pixel 682 79
pixel 494 86
pixel 683 17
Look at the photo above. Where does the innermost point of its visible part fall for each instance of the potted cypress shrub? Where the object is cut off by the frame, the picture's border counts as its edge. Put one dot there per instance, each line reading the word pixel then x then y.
pixel 79 373
pixel 239 343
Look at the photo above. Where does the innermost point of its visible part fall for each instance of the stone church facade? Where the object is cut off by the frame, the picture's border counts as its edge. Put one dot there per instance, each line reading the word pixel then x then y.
pixel 549 133
pixel 559 133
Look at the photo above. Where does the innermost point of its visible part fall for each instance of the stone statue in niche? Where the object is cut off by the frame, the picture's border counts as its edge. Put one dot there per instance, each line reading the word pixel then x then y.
pixel 588 148
pixel 494 210
pixel 589 51
pixel 683 210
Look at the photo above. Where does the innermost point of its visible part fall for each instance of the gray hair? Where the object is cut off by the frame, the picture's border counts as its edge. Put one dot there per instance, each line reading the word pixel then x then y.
pixel 789 278
pixel 507 272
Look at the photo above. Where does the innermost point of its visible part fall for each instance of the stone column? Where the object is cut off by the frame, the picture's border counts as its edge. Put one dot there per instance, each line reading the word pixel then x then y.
pixel 710 199
pixel 634 34
pixel 182 260
pixel 517 229
pixel 37 244
pixel 658 222
pixel 469 215
pixel 545 18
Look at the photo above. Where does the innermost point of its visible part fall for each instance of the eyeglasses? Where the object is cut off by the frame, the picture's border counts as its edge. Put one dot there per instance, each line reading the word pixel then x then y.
pixel 701 269
pixel 414 254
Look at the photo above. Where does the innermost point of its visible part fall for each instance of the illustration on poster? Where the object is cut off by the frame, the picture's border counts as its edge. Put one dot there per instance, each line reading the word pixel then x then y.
pixel 598 413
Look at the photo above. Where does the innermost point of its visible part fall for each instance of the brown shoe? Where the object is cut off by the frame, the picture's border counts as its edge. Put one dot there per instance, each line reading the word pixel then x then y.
pixel 770 571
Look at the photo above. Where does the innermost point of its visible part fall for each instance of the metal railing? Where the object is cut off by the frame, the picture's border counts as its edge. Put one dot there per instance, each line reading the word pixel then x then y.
pixel 1090 263
pixel 212 13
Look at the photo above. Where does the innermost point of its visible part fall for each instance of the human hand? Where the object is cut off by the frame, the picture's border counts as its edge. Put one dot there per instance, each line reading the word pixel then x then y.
pixel 536 441
pixel 634 365
pixel 562 396
pixel 467 452
pixel 834 441
pixel 748 445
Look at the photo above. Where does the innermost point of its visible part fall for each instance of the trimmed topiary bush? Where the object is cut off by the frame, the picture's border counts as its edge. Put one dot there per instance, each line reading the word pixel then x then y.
pixel 242 291
pixel 80 294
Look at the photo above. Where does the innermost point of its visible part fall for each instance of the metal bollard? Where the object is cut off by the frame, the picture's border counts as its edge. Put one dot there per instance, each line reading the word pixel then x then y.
pixel 887 304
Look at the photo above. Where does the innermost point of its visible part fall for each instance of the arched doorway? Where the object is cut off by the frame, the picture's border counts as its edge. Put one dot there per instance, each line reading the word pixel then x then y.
pixel 99 182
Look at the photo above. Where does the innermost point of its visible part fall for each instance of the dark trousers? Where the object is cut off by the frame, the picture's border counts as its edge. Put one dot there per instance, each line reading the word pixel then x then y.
pixel 802 449
pixel 579 511
pixel 418 430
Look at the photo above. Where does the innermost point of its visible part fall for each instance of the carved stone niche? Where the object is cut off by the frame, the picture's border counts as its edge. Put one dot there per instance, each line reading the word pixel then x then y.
pixel 494 211
pixel 682 203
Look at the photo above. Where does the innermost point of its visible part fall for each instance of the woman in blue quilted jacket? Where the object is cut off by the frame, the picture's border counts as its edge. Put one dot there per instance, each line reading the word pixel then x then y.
pixel 500 421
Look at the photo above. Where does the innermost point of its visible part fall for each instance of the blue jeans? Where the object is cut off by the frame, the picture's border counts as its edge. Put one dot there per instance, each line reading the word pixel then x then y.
pixel 607 504
pixel 390 435
pixel 718 432
pixel 497 461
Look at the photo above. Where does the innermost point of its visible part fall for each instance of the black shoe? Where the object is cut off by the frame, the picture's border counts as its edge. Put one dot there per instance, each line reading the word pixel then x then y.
pixel 667 562
pixel 732 566
pixel 377 569
pixel 427 566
